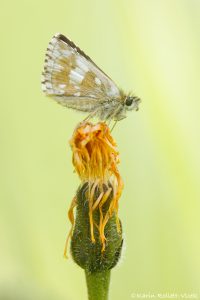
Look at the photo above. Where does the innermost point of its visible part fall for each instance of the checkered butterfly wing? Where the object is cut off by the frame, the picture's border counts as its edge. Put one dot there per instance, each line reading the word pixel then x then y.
pixel 73 79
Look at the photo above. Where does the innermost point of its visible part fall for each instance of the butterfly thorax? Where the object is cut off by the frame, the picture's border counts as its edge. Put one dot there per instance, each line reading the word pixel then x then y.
pixel 116 108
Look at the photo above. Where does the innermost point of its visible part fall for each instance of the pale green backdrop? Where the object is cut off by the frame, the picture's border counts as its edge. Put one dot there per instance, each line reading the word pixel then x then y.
pixel 151 47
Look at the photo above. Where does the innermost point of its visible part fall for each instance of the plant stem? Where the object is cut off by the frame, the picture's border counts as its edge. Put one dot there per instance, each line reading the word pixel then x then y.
pixel 98 284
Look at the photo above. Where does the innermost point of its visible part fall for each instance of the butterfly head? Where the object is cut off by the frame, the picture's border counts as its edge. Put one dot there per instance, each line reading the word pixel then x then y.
pixel 131 103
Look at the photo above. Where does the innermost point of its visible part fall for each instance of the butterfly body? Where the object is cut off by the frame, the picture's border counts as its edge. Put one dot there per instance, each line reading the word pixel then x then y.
pixel 74 80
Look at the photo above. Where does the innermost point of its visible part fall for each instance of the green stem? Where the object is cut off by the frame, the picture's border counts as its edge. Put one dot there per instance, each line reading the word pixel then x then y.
pixel 98 284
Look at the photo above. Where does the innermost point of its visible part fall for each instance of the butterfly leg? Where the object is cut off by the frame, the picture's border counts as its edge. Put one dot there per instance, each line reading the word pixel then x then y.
pixel 90 116
pixel 108 120
pixel 114 115
pixel 113 126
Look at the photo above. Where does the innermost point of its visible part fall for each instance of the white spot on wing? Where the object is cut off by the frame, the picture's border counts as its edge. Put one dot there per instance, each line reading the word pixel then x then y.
pixel 62 86
pixel 66 53
pixel 75 77
pixel 48 85
pixel 55 53
pixel 79 71
pixel 81 64
pixel 77 94
pixel 58 67
pixel 54 40
pixel 43 87
pixel 97 81
pixel 49 63
pixel 50 46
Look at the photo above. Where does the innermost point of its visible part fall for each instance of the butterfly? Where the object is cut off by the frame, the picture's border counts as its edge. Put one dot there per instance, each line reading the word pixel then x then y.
pixel 72 79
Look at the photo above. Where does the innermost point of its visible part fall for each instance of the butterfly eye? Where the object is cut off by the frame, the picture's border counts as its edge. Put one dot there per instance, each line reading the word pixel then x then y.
pixel 129 101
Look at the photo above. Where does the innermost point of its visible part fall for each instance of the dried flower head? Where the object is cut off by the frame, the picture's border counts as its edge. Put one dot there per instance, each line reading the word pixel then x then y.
pixel 95 159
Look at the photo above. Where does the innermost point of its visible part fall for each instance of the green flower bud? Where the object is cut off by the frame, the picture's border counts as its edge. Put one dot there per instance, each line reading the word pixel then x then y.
pixel 86 253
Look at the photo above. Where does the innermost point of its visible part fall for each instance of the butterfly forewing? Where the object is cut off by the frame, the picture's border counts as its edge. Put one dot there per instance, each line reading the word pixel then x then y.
pixel 73 79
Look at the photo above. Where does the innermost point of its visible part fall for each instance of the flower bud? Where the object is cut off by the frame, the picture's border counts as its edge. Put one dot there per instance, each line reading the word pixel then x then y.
pixel 86 253
pixel 96 233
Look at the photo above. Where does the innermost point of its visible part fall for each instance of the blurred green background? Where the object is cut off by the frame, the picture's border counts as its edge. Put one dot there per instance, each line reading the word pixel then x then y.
pixel 149 47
